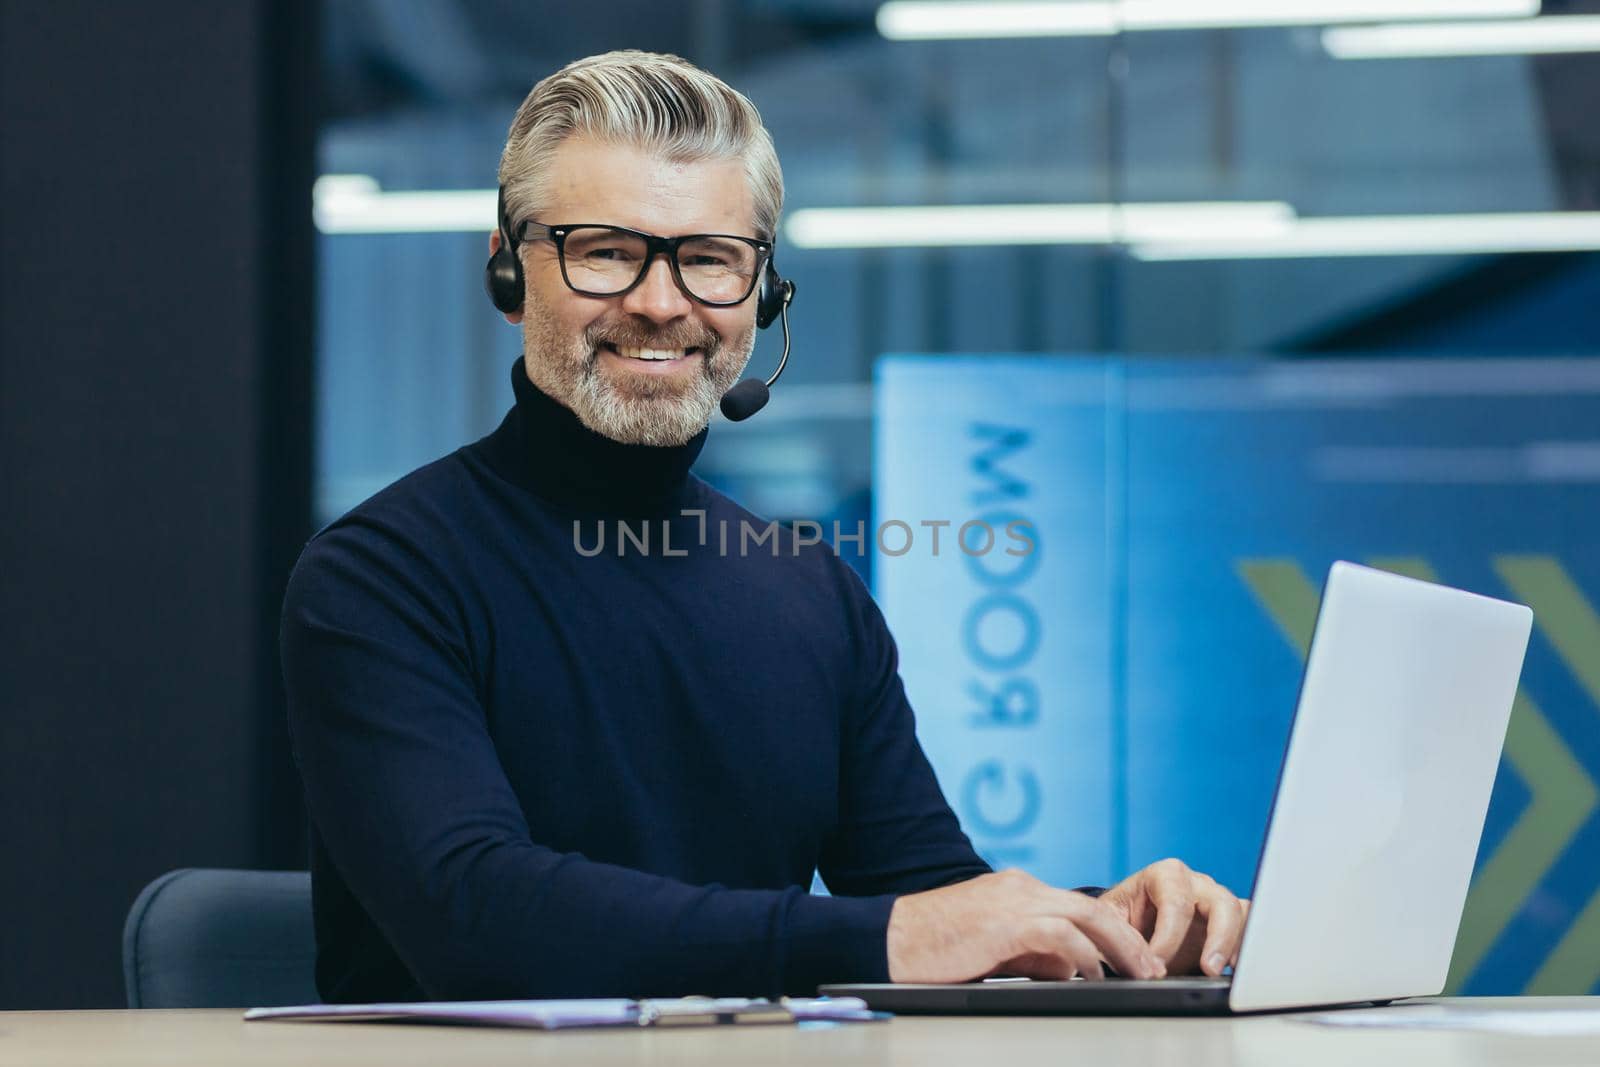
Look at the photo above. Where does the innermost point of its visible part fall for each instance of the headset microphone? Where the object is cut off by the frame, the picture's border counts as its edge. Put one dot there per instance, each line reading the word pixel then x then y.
pixel 751 395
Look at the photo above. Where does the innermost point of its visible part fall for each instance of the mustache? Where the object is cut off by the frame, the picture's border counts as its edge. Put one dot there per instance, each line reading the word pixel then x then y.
pixel 646 335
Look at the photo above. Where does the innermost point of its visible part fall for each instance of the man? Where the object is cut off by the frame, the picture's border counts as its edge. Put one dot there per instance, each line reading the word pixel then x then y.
pixel 535 771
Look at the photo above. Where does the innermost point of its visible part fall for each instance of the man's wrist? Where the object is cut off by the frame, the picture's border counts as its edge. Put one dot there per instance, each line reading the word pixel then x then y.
pixel 837 939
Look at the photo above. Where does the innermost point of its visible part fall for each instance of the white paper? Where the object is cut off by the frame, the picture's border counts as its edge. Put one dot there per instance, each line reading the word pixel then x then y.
pixel 539 1014
pixel 1437 1017
pixel 558 1014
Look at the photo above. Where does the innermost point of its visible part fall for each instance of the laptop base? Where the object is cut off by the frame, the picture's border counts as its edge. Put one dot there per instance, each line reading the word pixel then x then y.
pixel 1167 996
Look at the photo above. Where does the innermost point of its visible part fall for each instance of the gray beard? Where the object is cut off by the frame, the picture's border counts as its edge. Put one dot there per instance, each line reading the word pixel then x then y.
pixel 640 415
pixel 642 411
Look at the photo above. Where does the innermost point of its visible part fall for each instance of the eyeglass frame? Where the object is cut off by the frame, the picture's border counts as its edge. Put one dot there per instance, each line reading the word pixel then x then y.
pixel 655 245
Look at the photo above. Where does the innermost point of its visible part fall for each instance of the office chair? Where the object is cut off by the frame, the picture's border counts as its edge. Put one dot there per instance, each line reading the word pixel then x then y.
pixel 220 939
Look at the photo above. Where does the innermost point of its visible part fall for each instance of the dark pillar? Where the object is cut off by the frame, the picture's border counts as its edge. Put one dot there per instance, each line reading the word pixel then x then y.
pixel 155 347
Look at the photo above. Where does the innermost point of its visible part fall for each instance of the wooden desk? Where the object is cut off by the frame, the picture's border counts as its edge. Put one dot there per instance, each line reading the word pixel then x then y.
pixel 221 1039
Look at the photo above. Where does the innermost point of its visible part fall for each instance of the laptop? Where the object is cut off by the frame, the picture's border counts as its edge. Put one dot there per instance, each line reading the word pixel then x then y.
pixel 1375 825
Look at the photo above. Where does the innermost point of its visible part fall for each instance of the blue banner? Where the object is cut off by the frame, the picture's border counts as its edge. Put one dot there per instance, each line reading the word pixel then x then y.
pixel 1124 693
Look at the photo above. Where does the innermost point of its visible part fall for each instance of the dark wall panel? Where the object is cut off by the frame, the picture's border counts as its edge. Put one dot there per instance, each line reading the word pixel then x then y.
pixel 152 446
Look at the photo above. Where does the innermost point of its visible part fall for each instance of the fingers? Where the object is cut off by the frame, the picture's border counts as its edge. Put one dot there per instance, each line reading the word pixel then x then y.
pixel 1224 926
pixel 1174 916
pixel 1076 932
pixel 1244 908
pixel 1011 921
pixel 1118 942
pixel 1057 949
pixel 1169 887
pixel 1195 919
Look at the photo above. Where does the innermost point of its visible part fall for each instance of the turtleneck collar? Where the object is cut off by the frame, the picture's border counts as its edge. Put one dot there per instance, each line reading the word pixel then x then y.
pixel 542 447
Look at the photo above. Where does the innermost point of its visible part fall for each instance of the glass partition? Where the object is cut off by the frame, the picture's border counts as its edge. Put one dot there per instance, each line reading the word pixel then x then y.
pixel 1235 187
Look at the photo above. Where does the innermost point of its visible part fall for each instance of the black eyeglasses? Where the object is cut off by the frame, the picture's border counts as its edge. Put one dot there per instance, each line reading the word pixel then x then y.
pixel 715 269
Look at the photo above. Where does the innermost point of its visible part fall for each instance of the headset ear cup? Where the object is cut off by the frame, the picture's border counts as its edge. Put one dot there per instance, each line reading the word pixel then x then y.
pixel 502 277
pixel 775 293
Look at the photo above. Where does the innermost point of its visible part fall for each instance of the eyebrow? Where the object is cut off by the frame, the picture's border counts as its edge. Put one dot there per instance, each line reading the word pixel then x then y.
pixel 718 241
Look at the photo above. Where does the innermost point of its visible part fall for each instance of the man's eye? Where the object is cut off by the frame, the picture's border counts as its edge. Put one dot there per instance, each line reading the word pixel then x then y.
pixel 706 261
pixel 609 254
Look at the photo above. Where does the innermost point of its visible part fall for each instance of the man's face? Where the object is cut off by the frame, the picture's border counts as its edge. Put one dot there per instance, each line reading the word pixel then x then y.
pixel 591 353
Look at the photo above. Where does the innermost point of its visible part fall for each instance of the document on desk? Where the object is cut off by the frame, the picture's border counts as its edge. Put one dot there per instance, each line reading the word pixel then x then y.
pixel 1550 1023
pixel 564 1014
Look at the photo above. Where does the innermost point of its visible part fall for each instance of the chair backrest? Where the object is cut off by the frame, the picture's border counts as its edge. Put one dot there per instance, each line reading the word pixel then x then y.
pixel 221 939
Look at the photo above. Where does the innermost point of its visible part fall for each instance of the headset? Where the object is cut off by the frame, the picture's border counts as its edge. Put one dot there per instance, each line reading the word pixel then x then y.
pixel 502 277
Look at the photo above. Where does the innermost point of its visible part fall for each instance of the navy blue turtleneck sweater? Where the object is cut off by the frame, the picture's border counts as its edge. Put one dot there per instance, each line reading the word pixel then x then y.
pixel 533 771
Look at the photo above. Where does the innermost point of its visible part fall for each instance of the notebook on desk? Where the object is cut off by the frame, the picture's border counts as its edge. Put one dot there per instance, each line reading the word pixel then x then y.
pixel 1380 805
pixel 567 1014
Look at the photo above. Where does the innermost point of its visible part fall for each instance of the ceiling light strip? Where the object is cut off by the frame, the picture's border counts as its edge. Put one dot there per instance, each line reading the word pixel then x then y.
pixel 1541 36
pixel 1032 224
pixel 1203 230
pixel 907 20
pixel 353 203
pixel 1397 235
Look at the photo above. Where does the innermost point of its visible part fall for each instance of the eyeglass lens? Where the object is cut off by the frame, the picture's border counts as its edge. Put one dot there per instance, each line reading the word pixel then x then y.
pixel 602 260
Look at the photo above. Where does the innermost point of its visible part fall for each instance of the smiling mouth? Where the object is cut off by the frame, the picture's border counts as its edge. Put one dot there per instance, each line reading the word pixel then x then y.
pixel 649 355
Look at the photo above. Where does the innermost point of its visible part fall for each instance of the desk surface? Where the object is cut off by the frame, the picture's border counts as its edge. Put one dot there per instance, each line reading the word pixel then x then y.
pixel 219 1038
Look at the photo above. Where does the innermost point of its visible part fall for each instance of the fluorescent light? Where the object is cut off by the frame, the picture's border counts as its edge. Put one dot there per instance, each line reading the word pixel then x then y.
pixel 911 21
pixel 906 20
pixel 1200 221
pixel 1033 224
pixel 1191 14
pixel 1397 235
pixel 1556 33
pixel 344 185
pixel 354 203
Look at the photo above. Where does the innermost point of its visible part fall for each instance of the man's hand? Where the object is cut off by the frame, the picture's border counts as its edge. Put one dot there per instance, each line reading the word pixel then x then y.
pixel 1011 923
pixel 1190 921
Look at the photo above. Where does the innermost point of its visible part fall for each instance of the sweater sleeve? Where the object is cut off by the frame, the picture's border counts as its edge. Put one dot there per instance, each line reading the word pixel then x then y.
pixel 405 788
pixel 896 832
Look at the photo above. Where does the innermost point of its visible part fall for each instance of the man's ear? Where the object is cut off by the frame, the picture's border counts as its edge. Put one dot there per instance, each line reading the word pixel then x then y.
pixel 513 317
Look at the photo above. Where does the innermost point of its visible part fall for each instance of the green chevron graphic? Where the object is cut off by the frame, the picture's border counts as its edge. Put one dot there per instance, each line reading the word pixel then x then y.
pixel 1287 595
pixel 1568 621
pixel 1562 799
pixel 1563 796
pixel 1406 566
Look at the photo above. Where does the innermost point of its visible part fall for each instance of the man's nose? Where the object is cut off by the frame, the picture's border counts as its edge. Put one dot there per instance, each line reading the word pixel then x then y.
pixel 657 297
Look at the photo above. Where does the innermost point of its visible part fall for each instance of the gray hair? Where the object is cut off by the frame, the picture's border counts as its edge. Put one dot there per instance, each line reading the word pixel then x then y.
pixel 647 100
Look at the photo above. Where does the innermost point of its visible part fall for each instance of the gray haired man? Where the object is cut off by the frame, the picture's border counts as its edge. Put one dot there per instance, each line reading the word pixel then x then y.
pixel 533 771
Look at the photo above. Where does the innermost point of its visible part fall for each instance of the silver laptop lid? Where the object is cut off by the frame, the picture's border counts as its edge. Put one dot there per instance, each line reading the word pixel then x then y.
pixel 1380 806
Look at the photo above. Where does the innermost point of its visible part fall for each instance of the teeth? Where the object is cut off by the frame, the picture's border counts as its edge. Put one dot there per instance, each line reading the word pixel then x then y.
pixel 650 353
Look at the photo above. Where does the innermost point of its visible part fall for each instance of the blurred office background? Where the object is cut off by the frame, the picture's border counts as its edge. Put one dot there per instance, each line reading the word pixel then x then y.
pixel 227 321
